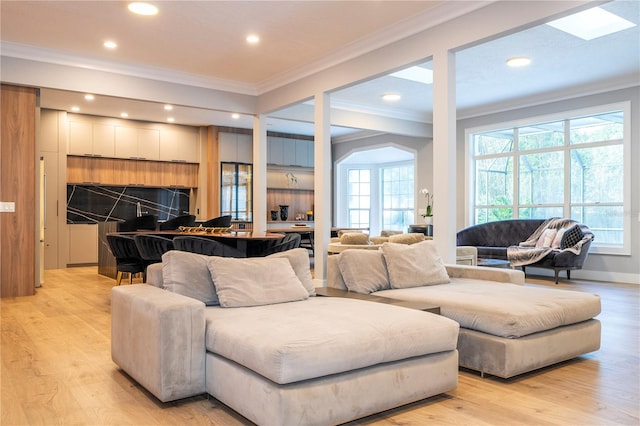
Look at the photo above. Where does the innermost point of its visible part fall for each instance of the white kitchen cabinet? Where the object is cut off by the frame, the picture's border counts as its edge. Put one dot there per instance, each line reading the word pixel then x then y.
pixel 288 152
pixel 274 150
pixel 244 148
pixel 137 144
pixel 178 146
pixel 235 147
pixel 80 138
pixel 91 139
pixel 126 142
pixel 304 153
pixel 149 144
pixel 104 140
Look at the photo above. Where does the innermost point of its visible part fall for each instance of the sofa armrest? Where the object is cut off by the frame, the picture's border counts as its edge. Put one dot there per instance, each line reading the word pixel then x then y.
pixel 488 274
pixel 157 337
pixel 154 275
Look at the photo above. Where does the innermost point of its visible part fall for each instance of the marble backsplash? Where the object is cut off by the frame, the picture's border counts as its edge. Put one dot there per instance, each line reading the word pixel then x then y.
pixel 93 204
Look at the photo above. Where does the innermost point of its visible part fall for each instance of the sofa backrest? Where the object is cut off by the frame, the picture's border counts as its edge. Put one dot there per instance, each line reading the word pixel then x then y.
pixel 502 233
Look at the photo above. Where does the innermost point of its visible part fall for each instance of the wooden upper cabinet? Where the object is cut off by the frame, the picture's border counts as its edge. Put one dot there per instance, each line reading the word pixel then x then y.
pixel 84 170
pixel 90 170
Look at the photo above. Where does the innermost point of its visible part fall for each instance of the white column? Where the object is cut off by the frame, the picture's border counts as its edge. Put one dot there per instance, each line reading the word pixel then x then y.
pixel 322 185
pixel 259 174
pixel 444 154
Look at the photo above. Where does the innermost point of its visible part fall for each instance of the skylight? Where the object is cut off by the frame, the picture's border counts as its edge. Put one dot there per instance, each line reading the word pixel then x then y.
pixel 419 74
pixel 591 23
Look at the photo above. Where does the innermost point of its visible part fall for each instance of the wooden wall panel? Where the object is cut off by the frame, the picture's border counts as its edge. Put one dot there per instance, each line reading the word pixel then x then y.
pixel 299 201
pixel 18 185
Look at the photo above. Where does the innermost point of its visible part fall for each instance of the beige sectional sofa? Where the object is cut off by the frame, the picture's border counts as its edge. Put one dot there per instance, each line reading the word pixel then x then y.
pixel 261 342
pixel 506 328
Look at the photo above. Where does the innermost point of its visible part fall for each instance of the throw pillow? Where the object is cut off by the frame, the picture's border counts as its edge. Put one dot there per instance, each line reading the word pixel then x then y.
pixel 299 260
pixel 546 238
pixel 558 238
pixel 187 274
pixel 571 237
pixel 414 265
pixel 357 238
pixel 406 238
pixel 363 271
pixel 255 281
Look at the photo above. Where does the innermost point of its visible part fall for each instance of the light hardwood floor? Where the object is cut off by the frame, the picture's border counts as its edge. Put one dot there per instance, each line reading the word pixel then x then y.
pixel 56 369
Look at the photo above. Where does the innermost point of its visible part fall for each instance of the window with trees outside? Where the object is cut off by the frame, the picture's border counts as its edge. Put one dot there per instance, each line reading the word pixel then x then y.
pixel 570 165
pixel 382 193
pixel 358 197
pixel 397 197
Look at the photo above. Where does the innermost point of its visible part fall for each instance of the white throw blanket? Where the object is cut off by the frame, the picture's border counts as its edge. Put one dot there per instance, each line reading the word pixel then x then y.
pixel 543 241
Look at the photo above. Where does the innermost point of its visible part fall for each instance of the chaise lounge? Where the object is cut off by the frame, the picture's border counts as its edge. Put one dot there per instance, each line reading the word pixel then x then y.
pixel 506 328
pixel 259 341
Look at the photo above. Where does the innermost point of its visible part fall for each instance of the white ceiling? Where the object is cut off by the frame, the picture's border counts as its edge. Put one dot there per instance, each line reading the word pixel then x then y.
pixel 204 41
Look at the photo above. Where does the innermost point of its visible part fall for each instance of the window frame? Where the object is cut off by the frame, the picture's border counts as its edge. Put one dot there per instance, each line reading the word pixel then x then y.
pixel 470 163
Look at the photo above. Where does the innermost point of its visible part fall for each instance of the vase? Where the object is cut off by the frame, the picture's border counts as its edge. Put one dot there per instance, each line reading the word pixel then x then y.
pixel 284 212
pixel 274 214
pixel 428 220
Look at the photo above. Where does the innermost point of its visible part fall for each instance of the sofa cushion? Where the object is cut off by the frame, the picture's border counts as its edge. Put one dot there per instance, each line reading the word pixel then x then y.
pixel 364 271
pixel 255 281
pixel 342 335
pixel 503 309
pixel 406 238
pixel 356 238
pixel 187 274
pixel 299 259
pixel 571 237
pixel 414 265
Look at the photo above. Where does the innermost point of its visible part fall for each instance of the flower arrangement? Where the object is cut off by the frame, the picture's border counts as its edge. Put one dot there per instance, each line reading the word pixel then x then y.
pixel 429 210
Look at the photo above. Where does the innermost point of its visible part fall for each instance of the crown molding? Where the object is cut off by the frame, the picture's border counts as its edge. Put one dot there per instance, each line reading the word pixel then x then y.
pixel 39 54
pixel 443 12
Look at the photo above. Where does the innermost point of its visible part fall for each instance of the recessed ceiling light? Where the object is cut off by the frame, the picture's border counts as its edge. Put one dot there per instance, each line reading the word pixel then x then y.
pixel 168 107
pixel 140 8
pixel 171 119
pixel 89 97
pixel 124 115
pixel 518 62
pixel 235 116
pixel 75 108
pixel 391 97
pixel 110 44
pixel 591 23
pixel 253 39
